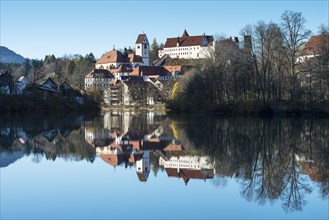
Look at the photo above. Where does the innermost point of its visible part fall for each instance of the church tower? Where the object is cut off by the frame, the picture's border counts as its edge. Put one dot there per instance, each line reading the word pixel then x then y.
pixel 143 48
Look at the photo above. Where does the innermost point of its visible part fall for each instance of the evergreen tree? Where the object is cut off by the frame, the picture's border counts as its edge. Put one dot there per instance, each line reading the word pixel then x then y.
pixel 154 51
pixel 71 67
pixel 90 57
pixel 27 66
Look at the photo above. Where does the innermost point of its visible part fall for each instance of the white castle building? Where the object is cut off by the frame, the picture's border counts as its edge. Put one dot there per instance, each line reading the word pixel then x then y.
pixel 188 47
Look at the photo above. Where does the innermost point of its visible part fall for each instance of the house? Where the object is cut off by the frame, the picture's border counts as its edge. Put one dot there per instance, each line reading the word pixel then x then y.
pixel 122 70
pixel 20 84
pixel 6 83
pixel 98 78
pixel 188 47
pixel 49 86
pixel 157 72
pixel 71 94
pixel 315 46
pixel 132 90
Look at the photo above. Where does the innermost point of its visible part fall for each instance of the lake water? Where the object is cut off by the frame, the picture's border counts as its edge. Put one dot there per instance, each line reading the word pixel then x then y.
pixel 147 165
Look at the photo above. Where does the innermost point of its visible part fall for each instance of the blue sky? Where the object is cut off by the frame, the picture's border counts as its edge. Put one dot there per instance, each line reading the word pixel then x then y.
pixel 37 28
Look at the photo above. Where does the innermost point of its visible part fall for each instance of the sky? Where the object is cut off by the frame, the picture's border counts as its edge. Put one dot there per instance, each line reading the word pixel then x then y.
pixel 38 28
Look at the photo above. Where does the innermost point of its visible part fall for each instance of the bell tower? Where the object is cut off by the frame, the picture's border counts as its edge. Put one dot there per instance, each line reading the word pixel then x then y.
pixel 143 48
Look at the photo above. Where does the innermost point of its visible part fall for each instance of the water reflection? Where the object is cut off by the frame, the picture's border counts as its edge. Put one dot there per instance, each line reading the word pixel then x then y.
pixel 43 136
pixel 137 138
pixel 272 158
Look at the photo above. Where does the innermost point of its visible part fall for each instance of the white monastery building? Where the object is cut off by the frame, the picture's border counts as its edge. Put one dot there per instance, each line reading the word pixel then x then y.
pixel 188 47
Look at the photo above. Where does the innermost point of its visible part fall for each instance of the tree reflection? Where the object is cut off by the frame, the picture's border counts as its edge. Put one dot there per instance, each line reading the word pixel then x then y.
pixel 49 137
pixel 262 153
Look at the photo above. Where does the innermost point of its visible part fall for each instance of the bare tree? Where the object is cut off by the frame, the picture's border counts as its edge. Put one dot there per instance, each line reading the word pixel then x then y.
pixel 294 34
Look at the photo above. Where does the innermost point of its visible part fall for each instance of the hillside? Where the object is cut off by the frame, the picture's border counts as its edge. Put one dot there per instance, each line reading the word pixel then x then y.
pixel 9 56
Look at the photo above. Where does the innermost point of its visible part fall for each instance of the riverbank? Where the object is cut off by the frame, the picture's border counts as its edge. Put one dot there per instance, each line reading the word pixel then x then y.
pixel 256 108
pixel 37 104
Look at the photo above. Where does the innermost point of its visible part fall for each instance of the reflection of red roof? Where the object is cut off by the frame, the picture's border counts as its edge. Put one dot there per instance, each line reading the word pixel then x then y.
pixel 314 172
pixel 136 144
pixel 135 157
pixel 184 173
pixel 154 145
pixel 173 147
pixel 173 68
pixel 187 174
pixel 142 177
pixel 113 159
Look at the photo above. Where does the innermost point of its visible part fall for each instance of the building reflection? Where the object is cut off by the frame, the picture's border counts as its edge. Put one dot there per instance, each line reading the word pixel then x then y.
pixel 189 167
pixel 130 139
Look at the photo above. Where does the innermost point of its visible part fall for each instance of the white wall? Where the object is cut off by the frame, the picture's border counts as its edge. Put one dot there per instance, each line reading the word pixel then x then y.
pixel 192 52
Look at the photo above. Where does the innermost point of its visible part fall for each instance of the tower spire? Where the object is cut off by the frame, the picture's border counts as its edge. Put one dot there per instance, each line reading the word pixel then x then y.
pixel 185 34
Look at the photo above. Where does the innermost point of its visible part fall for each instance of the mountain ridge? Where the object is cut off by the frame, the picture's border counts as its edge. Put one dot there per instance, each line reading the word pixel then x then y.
pixel 9 56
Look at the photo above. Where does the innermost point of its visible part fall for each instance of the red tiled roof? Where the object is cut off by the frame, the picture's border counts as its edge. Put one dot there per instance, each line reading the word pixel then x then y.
pixel 113 56
pixel 122 69
pixel 133 58
pixel 132 78
pixel 314 44
pixel 99 73
pixel 186 41
pixel 150 70
pixel 140 38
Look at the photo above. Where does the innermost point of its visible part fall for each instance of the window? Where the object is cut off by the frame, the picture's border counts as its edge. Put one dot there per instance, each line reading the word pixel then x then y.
pixel 138 47
pixel 145 46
